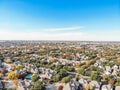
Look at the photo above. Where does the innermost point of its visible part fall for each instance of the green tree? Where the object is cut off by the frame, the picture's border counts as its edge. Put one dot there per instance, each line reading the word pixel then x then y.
pixel 63 72
pixel 66 79
pixel 39 85
pixel 81 71
pixel 95 76
pixel 57 78
pixel 58 67
pixel 1 57
pixel 118 82
pixel 69 68
pixel 35 78
pixel 9 89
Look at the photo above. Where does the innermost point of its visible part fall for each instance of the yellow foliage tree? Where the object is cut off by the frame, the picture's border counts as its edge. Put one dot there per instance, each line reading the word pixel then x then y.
pixel 87 86
pixel 12 75
pixel 118 60
pixel 8 61
pixel 19 67
pixel 53 60
pixel 1 75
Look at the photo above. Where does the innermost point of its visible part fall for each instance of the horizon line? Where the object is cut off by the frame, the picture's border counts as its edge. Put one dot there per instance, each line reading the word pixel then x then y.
pixel 66 40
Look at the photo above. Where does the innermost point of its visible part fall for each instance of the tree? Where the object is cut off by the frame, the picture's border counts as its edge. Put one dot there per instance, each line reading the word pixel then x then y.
pixel 88 72
pixel 60 87
pixel 111 82
pixel 87 86
pixel 12 75
pixel 39 85
pixel 16 83
pixel 35 78
pixel 8 61
pixel 66 79
pixel 9 89
pixel 52 66
pixel 118 82
pixel 4 71
pixel 19 67
pixel 69 68
pixel 81 71
pixel 1 57
pixel 92 68
pixel 57 78
pixel 58 67
pixel 77 76
pixel 106 77
pixel 63 72
pixel 99 70
pixel 95 76
pixel 53 60
pixel 1 75
pixel 118 60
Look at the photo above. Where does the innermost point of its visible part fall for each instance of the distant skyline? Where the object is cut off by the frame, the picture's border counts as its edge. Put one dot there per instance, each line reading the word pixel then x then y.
pixel 89 20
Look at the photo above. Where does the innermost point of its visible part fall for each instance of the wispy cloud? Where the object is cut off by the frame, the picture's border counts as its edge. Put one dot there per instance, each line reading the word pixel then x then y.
pixel 8 34
pixel 92 36
pixel 39 36
pixel 65 28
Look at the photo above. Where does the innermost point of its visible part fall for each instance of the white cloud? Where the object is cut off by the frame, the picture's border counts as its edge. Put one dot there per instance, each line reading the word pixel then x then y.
pixel 103 35
pixel 87 36
pixel 65 28
pixel 39 36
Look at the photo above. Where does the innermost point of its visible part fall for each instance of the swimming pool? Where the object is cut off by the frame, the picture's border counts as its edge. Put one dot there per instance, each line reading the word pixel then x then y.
pixel 28 76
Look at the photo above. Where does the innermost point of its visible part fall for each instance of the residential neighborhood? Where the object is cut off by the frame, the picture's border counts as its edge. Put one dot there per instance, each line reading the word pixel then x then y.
pixel 59 65
pixel 59 44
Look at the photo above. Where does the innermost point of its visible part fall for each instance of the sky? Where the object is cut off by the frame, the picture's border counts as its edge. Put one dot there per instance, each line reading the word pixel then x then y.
pixel 89 20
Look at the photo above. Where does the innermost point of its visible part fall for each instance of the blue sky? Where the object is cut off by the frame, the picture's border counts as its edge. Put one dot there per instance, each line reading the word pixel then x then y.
pixel 60 20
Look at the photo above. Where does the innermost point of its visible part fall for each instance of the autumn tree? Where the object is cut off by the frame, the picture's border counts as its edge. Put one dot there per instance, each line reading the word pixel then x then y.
pixel 16 83
pixel 12 75
pixel 60 87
